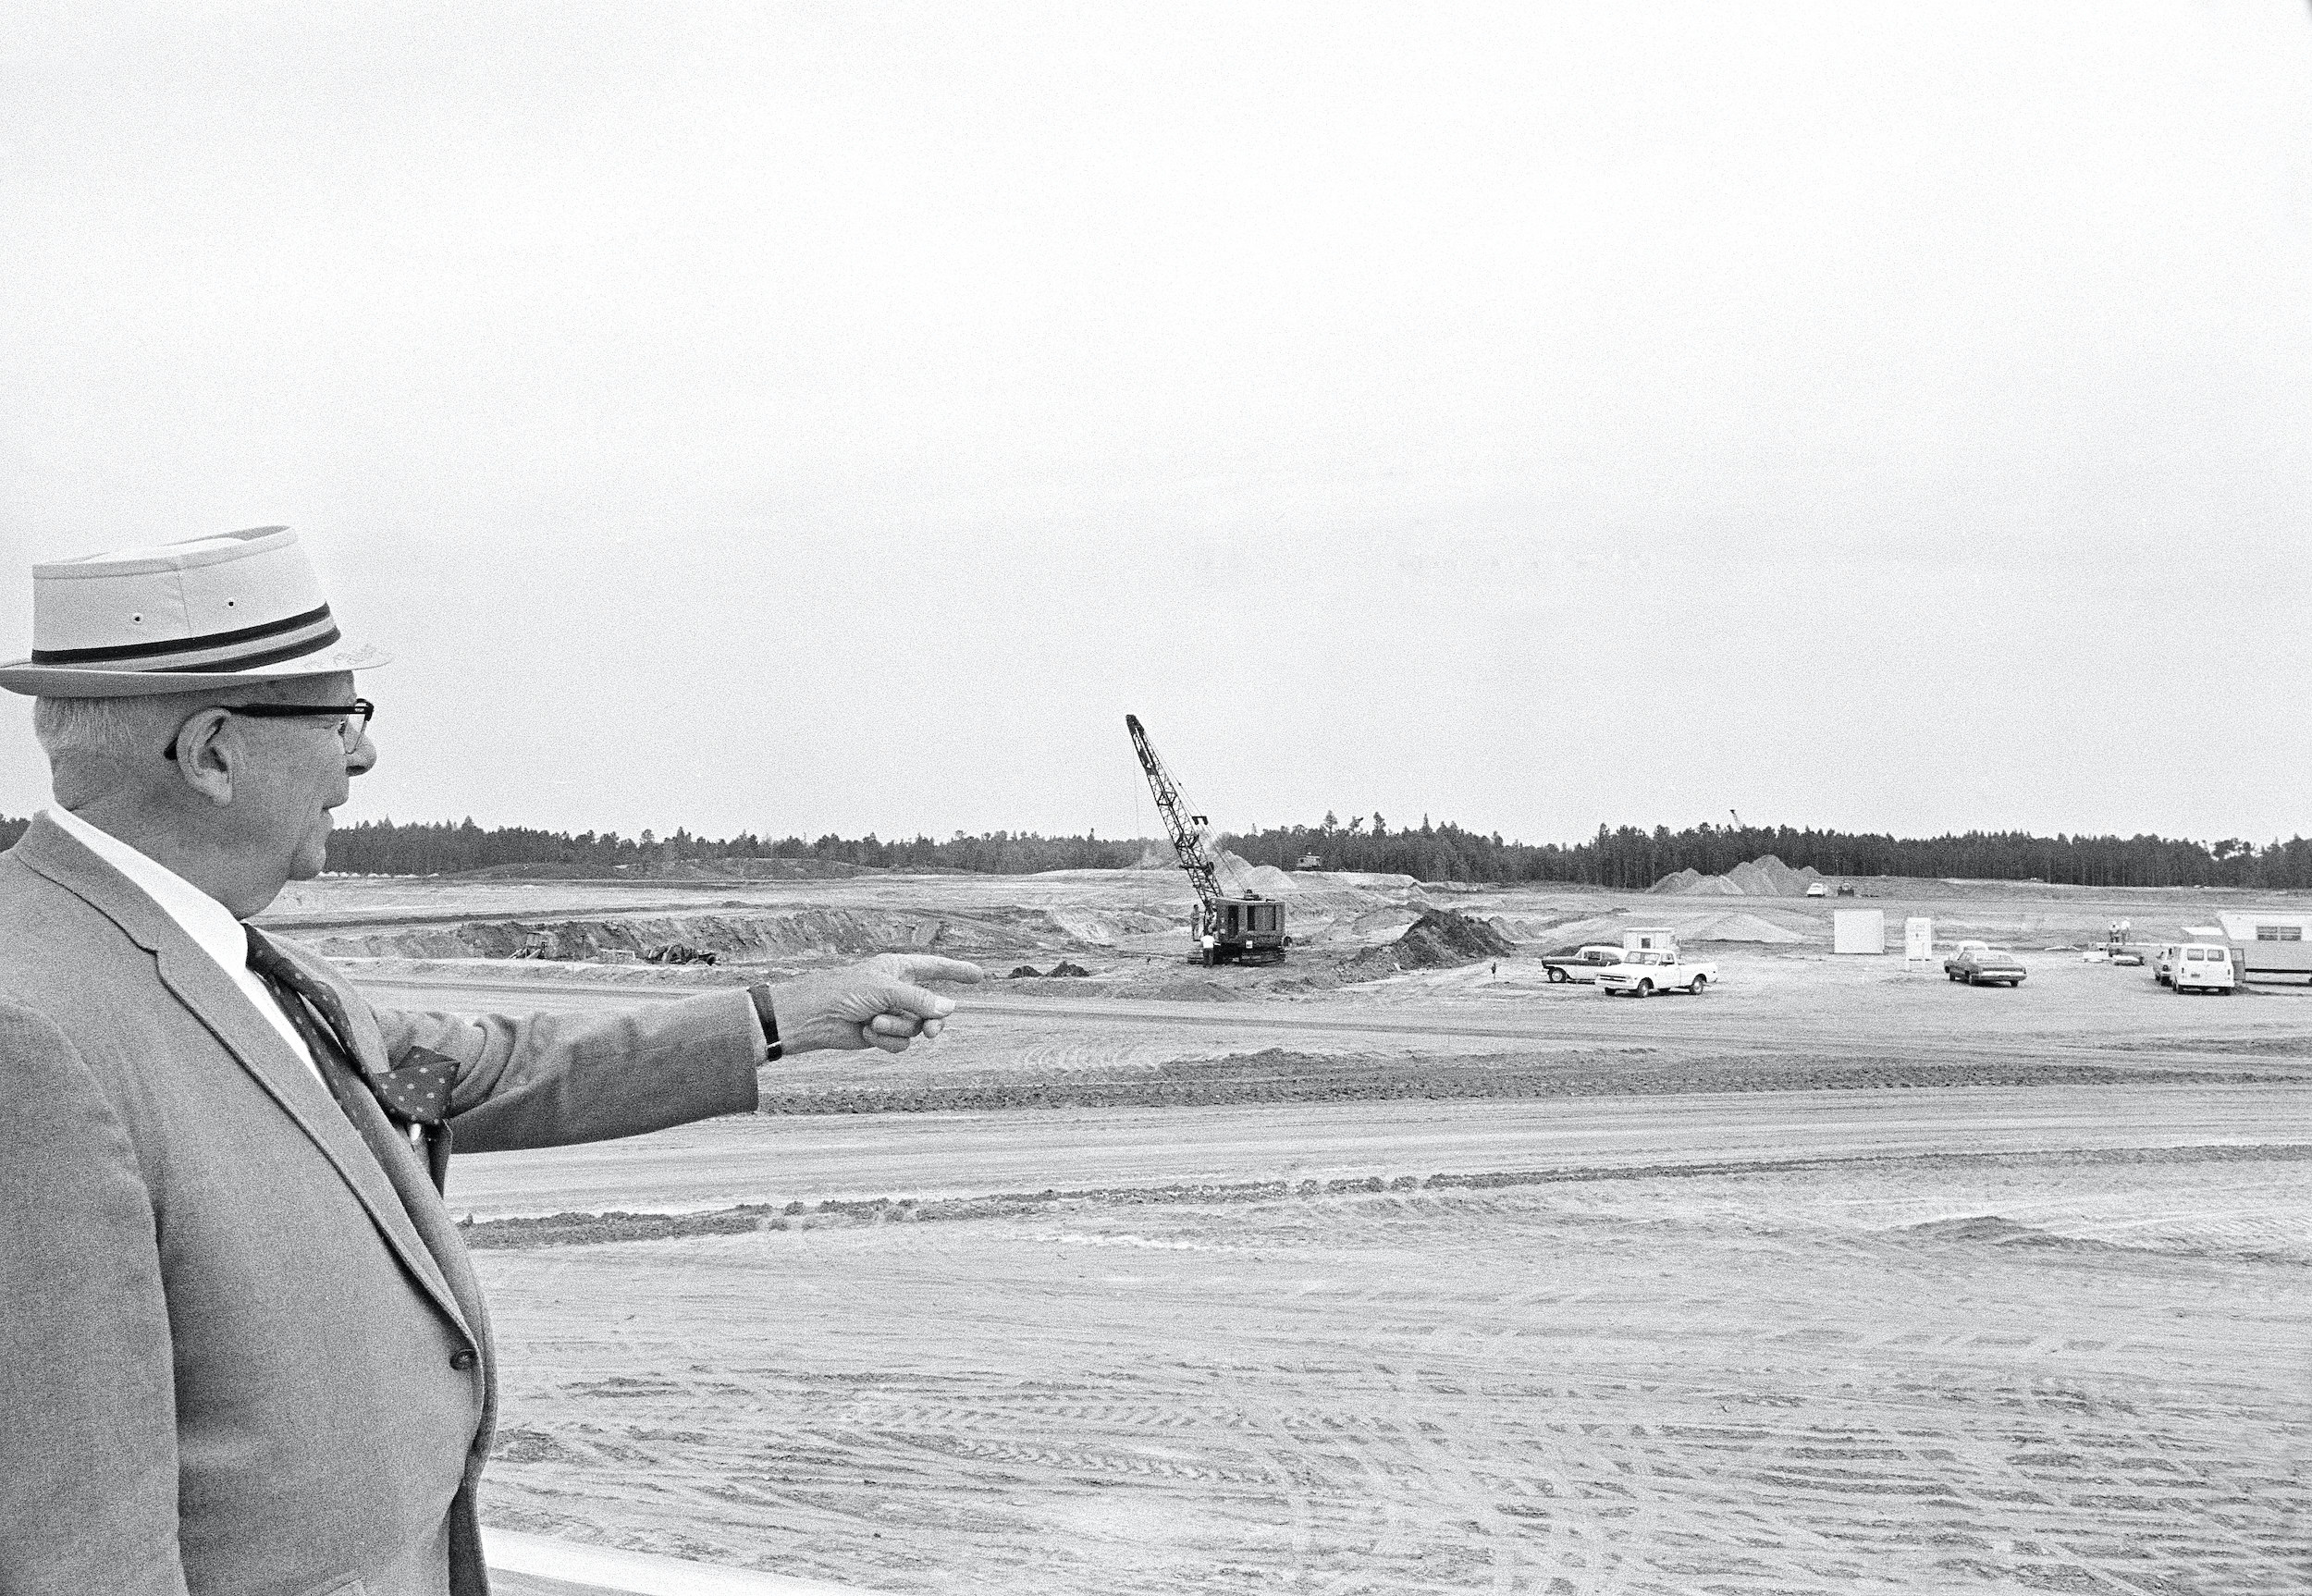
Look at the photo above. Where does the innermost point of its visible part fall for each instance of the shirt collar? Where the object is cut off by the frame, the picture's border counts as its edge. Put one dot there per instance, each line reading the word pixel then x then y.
pixel 209 922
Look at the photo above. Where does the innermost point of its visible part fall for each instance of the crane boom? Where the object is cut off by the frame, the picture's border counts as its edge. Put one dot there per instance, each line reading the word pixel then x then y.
pixel 1186 830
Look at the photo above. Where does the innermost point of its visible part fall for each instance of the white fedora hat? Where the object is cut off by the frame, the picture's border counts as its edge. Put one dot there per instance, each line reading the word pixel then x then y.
pixel 179 618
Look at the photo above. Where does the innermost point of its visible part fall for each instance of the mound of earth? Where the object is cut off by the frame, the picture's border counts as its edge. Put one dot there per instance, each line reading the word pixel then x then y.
pixel 1240 874
pixel 1738 926
pixel 1440 939
pixel 1766 877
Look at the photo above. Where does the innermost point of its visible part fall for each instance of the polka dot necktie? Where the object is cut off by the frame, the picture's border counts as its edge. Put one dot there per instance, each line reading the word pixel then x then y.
pixel 414 1093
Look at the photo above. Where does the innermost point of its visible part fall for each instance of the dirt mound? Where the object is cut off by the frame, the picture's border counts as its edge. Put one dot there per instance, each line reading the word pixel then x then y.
pixel 1439 939
pixel 1766 877
pixel 1239 877
pixel 1738 926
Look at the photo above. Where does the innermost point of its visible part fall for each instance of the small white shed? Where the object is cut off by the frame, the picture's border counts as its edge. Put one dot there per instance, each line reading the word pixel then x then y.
pixel 1858 931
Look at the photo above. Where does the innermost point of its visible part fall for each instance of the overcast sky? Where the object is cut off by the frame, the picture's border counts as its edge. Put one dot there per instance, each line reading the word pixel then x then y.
pixel 802 418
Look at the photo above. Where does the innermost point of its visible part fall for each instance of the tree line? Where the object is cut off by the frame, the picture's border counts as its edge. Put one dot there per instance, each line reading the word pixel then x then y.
pixel 1627 856
pixel 443 847
pixel 1630 856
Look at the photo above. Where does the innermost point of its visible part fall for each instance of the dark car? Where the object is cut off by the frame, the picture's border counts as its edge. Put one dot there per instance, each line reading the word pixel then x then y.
pixel 1981 966
pixel 1580 963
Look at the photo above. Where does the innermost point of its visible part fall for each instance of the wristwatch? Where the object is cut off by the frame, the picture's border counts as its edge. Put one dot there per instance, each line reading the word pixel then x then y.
pixel 761 994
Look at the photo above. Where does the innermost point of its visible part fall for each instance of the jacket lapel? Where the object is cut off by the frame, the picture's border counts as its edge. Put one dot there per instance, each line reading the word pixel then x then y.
pixel 204 988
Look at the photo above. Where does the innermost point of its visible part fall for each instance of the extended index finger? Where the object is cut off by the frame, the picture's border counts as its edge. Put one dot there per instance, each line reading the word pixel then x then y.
pixel 912 1002
pixel 931 967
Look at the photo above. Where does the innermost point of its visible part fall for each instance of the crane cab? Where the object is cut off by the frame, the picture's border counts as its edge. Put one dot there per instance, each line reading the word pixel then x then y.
pixel 1242 930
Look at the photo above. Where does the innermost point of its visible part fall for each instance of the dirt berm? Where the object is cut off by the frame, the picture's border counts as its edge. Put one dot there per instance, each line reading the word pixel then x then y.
pixel 756 936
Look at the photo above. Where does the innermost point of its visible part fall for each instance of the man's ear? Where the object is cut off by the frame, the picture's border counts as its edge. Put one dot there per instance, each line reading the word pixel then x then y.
pixel 204 761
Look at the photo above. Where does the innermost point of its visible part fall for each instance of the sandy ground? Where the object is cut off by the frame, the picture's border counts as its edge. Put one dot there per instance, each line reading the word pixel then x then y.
pixel 951 1156
pixel 1836 1278
pixel 1825 1381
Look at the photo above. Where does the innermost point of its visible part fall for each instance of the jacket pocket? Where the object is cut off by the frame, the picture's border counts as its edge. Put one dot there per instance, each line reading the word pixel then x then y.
pixel 337 1584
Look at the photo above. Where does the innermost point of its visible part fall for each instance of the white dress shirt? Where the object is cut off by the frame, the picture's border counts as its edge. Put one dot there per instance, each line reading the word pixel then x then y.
pixel 209 922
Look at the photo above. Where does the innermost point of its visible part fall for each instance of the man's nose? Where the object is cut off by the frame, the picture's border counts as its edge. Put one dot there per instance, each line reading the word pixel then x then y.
pixel 364 754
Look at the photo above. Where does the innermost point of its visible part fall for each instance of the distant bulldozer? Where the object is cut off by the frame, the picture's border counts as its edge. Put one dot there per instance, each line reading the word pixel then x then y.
pixel 680 953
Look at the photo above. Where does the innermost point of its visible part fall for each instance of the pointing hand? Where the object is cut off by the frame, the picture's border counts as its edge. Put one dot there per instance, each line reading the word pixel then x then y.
pixel 880 1003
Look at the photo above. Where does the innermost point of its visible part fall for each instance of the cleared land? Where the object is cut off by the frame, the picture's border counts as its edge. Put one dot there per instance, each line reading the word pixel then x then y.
pixel 1834 1279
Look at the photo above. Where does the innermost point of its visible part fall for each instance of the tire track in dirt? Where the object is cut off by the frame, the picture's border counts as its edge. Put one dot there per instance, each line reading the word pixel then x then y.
pixel 1795 1416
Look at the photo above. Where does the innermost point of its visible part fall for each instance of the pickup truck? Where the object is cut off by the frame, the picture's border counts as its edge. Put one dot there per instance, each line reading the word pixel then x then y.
pixel 1645 971
pixel 1580 963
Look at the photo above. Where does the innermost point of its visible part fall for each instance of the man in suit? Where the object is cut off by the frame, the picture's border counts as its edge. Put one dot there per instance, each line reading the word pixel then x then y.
pixel 241 1348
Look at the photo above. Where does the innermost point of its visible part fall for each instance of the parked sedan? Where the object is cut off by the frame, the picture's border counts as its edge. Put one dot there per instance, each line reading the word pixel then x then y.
pixel 1981 966
pixel 1581 964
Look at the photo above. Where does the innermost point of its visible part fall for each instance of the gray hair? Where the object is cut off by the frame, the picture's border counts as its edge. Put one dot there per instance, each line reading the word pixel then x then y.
pixel 98 745
pixel 109 728
pixel 138 725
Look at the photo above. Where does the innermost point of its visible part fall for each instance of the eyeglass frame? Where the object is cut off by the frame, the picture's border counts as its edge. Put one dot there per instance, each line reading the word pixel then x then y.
pixel 361 707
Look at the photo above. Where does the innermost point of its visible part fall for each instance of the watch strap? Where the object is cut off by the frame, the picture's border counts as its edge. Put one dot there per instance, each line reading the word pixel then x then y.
pixel 760 993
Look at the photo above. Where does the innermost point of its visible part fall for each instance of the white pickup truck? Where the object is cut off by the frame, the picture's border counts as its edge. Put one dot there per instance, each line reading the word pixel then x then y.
pixel 1645 971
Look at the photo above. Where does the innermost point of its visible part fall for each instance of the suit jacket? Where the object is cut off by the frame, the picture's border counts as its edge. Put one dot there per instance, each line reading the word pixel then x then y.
pixel 241 1348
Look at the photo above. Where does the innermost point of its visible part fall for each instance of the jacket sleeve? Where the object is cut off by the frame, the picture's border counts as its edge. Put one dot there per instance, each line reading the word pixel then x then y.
pixel 88 1408
pixel 547 1080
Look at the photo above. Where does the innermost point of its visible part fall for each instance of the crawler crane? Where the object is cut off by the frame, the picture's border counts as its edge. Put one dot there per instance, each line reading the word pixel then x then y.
pixel 1227 929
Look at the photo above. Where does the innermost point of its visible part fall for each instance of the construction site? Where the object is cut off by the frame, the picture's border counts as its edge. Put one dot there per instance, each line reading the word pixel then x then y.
pixel 1357 1247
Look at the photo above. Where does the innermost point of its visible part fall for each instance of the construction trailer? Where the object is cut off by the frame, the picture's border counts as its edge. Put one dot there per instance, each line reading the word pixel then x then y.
pixel 2268 945
pixel 1225 927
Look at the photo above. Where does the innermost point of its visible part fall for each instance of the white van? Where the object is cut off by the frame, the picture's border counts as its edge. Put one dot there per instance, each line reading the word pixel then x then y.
pixel 2203 967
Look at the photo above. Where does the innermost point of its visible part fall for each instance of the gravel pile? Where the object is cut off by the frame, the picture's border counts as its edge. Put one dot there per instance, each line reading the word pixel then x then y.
pixel 1766 877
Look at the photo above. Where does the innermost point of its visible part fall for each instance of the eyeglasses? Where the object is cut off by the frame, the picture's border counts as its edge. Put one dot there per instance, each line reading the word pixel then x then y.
pixel 352 718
